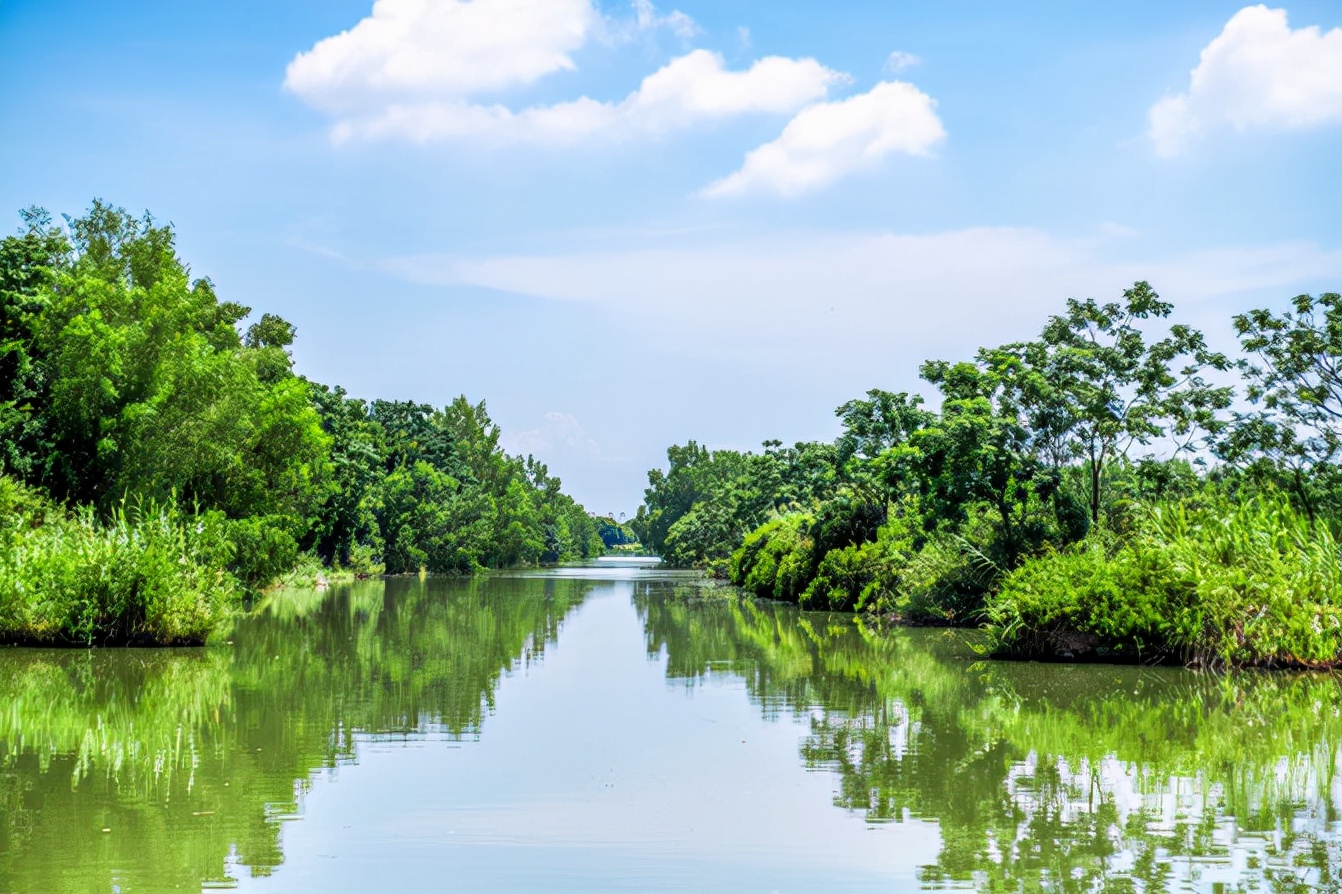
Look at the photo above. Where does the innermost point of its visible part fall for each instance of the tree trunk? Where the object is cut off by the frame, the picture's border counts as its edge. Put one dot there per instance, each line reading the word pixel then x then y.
pixel 1095 469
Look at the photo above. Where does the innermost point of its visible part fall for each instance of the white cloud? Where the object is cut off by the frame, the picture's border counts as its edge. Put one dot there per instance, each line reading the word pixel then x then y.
pixel 1257 73
pixel 688 89
pixel 416 70
pixel 408 49
pixel 899 61
pixel 828 140
pixel 647 19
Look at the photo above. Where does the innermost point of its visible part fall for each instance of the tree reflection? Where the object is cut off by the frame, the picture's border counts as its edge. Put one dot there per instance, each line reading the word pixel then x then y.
pixel 192 757
pixel 1041 777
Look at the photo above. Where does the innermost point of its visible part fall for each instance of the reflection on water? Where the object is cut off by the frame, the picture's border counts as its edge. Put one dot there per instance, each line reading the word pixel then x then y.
pixel 147 770
pixel 188 757
pixel 1042 777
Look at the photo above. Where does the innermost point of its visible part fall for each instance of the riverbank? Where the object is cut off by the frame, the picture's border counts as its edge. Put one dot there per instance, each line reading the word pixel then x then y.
pixel 148 575
pixel 165 462
pixel 1209 581
pixel 1212 582
pixel 1026 503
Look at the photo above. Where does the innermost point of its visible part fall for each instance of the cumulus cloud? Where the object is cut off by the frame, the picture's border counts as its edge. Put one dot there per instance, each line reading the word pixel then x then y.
pixel 1257 73
pixel 828 140
pixel 417 70
pixel 689 89
pixel 407 49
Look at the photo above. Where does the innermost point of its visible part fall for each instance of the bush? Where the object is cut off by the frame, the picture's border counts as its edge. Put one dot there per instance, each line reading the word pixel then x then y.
pixel 151 575
pixel 1210 581
pixel 944 582
pixel 940 579
pixel 848 579
pixel 774 562
pixel 263 550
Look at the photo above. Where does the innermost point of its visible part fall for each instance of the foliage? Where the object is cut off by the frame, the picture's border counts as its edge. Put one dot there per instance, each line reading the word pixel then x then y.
pixel 704 505
pixel 775 560
pixel 614 534
pixel 126 381
pixel 1297 373
pixel 150 574
pixel 1091 387
pixel 1294 437
pixel 924 514
pixel 978 453
pixel 1211 581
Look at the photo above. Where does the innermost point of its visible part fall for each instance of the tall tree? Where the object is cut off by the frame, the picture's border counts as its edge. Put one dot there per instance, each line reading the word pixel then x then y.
pixel 151 390
pixel 1095 384
pixel 977 452
pixel 27 263
pixel 1295 383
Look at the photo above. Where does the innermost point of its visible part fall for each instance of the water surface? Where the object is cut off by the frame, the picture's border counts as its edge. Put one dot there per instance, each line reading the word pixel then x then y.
pixel 624 728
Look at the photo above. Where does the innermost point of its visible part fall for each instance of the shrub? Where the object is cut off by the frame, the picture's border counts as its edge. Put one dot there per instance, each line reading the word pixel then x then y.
pixel 774 562
pixel 1211 581
pixel 848 578
pixel 150 575
pixel 263 550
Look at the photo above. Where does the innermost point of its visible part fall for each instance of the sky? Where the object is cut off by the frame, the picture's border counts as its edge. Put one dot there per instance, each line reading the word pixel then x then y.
pixel 626 225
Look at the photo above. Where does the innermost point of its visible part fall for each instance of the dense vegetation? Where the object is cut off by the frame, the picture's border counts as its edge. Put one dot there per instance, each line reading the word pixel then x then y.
pixel 1096 492
pixel 158 461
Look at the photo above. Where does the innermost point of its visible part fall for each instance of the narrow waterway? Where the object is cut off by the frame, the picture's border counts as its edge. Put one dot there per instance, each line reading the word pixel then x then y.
pixel 625 728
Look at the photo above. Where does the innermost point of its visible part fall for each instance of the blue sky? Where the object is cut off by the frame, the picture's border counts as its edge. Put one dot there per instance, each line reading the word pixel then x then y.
pixel 628 225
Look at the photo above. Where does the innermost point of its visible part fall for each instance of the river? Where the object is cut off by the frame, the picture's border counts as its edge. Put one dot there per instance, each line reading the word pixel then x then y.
pixel 620 727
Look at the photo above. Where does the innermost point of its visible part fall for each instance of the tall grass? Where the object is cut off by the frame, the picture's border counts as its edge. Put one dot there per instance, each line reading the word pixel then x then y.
pixel 1212 581
pixel 150 574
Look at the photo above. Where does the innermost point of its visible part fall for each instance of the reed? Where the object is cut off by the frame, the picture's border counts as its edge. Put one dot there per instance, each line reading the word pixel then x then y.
pixel 1213 581
pixel 149 574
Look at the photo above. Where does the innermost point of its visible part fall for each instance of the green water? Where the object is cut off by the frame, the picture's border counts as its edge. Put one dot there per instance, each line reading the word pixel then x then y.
pixel 623 729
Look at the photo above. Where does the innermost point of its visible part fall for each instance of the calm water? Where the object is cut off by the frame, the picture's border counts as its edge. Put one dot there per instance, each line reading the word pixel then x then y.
pixel 624 729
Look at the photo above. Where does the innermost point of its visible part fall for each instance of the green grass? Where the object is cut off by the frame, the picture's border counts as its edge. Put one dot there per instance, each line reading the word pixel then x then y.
pixel 1211 581
pixel 149 575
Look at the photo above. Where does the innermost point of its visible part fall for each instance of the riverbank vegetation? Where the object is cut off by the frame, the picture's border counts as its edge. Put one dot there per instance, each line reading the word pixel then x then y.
pixel 1101 491
pixel 162 459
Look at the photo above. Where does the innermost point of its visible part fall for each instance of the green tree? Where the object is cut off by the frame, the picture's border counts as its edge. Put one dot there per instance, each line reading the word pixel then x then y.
pixel 977 452
pixel 26 264
pixel 872 427
pixel 1095 384
pixel 343 519
pixel 151 391
pixel 694 472
pixel 1295 381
